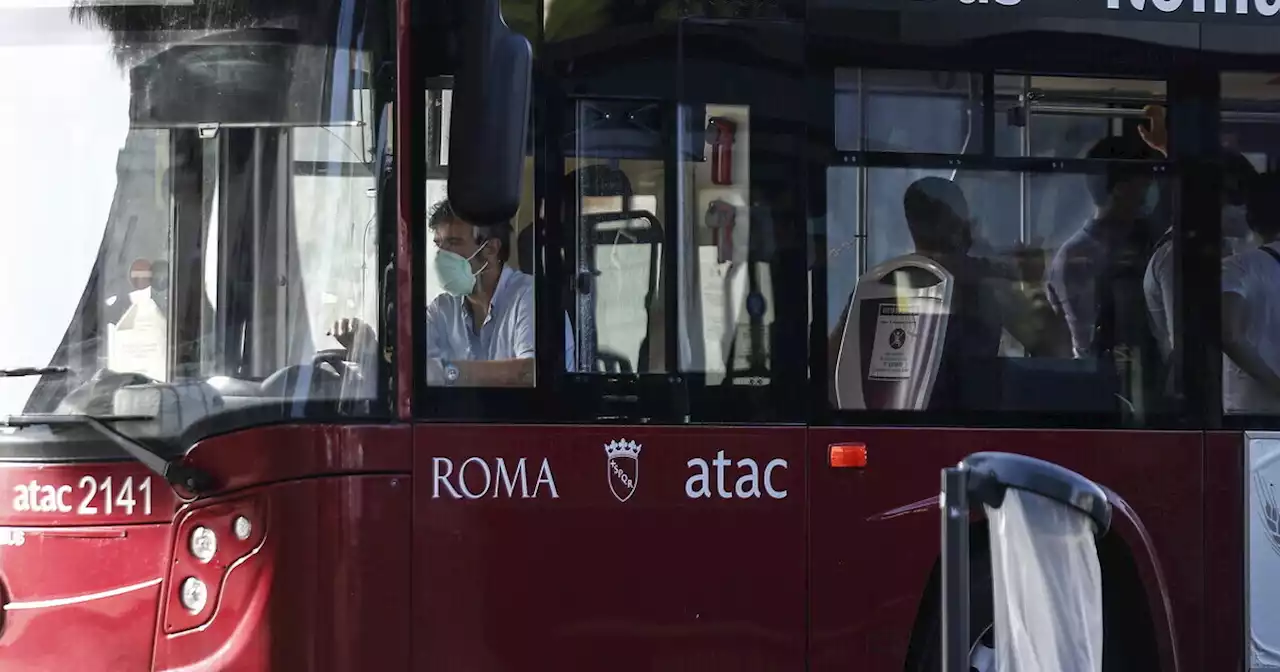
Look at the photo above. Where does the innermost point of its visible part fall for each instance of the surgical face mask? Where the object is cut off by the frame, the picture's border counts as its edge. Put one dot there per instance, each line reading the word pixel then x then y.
pixel 454 272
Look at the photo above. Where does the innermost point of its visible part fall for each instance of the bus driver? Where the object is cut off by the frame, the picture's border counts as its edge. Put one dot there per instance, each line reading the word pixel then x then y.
pixel 480 330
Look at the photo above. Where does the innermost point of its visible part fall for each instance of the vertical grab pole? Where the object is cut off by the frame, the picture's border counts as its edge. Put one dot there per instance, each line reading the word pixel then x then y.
pixel 955 569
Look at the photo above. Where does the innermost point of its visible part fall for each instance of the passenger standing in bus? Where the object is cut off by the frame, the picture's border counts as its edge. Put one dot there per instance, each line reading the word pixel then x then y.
pixel 1157 284
pixel 1251 309
pixel 1095 279
pixel 480 331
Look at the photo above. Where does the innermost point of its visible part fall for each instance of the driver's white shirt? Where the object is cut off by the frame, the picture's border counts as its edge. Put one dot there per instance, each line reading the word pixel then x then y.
pixel 507 332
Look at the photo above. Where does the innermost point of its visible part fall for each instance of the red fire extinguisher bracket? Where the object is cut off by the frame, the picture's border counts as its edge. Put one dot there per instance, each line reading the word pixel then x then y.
pixel 721 132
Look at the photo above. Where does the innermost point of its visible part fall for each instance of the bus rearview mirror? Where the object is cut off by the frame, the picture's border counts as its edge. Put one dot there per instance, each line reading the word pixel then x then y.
pixel 489 126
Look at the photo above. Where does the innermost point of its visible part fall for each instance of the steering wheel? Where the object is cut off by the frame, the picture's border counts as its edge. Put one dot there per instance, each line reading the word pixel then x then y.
pixel 280 383
pixel 334 357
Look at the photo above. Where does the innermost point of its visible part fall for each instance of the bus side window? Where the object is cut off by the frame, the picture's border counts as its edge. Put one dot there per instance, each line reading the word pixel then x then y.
pixel 1031 305
pixel 504 347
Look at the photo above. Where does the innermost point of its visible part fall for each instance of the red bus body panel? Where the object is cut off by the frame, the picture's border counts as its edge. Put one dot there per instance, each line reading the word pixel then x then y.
pixel 584 581
pixel 487 547
pixel 80 588
pixel 860 529
pixel 321 584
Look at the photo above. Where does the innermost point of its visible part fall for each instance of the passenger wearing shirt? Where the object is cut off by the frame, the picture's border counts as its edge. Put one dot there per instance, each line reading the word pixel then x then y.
pixel 1251 309
pixel 1157 283
pixel 1095 278
pixel 480 330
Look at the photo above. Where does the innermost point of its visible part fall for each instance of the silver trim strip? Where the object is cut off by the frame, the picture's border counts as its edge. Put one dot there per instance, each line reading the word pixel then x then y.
pixel 64 601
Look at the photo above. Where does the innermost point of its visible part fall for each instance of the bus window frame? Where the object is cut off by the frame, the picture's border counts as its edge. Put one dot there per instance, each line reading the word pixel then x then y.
pixel 681 397
pixel 781 401
pixel 1189 165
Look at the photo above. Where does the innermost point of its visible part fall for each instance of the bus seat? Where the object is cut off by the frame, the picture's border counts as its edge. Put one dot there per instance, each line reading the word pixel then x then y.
pixel 891 348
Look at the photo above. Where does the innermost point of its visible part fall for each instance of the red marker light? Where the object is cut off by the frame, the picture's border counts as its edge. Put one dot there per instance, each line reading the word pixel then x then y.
pixel 847 455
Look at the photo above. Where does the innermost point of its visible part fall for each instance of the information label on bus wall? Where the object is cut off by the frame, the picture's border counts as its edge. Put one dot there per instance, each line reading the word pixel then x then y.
pixel 895 343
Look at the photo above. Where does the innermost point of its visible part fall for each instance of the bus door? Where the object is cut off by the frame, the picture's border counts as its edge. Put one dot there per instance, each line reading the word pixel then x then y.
pixel 640 505
pixel 1028 179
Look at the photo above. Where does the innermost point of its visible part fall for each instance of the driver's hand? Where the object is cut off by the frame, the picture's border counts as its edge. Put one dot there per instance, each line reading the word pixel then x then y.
pixel 350 332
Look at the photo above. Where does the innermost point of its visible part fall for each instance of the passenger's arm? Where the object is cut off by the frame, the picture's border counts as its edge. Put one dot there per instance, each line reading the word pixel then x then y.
pixel 1156 133
pixel 1078 293
pixel 1238 348
pixel 1235 283
pixel 1159 298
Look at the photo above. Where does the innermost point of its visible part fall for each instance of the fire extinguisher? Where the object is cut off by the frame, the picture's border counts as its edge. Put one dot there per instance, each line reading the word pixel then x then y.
pixel 720 219
pixel 720 135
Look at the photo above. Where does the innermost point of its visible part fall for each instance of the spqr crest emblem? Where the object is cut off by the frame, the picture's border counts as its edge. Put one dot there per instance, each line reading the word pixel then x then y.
pixel 622 462
pixel 1268 511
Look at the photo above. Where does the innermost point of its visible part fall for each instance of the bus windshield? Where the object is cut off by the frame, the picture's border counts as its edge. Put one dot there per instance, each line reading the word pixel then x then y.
pixel 191 198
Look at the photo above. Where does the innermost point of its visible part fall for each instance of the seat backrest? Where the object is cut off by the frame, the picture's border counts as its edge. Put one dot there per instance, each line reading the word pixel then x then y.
pixel 891 347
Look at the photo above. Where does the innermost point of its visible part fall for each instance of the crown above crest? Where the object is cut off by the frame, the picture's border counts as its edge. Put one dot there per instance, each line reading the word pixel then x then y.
pixel 623 448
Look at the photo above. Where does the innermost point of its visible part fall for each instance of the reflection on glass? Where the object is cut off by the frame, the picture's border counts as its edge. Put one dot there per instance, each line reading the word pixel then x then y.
pixel 224 210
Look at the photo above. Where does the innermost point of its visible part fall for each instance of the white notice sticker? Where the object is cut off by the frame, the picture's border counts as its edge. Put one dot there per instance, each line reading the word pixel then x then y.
pixel 897 332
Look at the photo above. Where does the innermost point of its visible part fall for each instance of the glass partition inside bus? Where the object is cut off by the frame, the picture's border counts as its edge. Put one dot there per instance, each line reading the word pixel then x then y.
pixel 193 197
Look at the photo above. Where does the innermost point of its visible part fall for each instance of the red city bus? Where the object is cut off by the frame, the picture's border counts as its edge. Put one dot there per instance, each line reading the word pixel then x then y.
pixel 711 229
